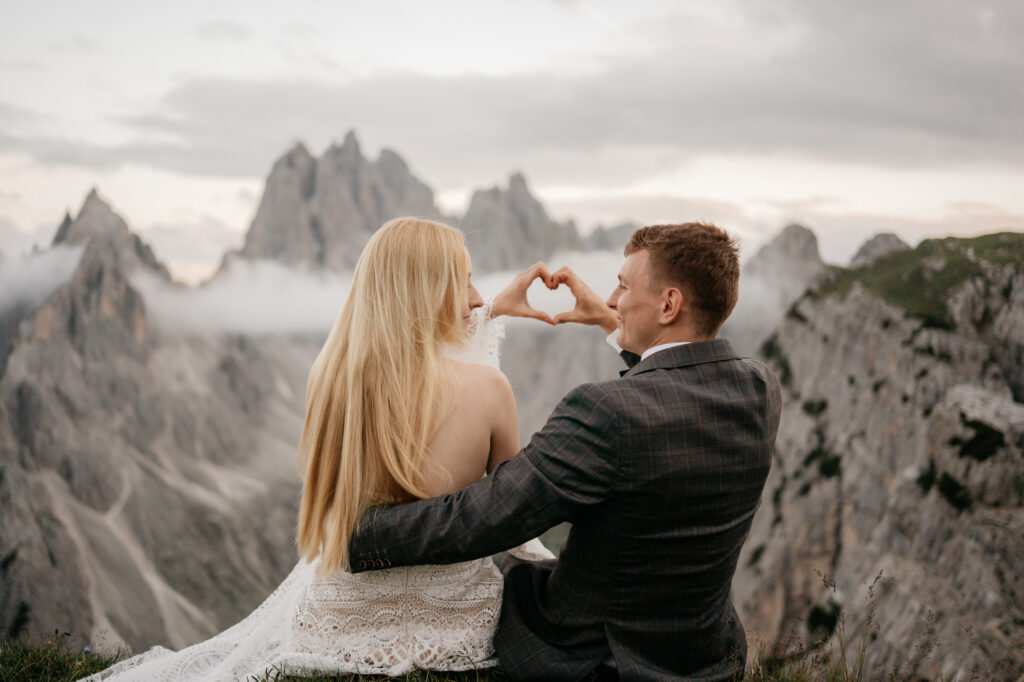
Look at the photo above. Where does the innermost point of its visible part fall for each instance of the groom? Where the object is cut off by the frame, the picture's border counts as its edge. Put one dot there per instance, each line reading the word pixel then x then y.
pixel 659 472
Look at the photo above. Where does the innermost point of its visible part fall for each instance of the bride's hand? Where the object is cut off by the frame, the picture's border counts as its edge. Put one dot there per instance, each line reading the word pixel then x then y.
pixel 590 308
pixel 512 299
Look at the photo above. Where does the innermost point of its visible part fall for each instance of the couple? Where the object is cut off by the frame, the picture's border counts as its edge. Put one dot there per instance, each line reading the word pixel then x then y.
pixel 660 473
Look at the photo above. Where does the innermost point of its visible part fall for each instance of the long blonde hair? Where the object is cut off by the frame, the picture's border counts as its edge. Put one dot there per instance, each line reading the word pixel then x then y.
pixel 379 387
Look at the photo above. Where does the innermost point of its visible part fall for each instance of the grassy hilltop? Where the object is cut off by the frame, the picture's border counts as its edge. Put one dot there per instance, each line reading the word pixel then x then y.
pixel 920 280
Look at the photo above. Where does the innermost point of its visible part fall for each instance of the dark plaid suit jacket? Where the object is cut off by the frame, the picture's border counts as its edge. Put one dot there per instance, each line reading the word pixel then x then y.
pixel 660 473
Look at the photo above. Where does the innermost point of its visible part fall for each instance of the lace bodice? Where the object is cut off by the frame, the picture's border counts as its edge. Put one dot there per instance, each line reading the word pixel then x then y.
pixel 388 622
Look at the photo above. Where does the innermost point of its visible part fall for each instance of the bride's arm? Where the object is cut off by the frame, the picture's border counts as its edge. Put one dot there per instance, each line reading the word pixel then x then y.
pixel 505 429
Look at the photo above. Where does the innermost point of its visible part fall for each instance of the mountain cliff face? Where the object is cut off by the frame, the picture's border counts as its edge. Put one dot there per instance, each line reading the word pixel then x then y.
pixel 147 479
pixel 901 453
pixel 508 229
pixel 770 281
pixel 320 212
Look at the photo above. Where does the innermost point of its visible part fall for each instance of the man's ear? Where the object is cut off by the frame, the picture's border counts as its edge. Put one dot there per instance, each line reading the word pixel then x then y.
pixel 672 304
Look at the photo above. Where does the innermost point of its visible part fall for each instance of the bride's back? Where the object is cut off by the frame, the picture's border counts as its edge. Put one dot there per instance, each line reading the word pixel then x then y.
pixel 389 417
pixel 478 433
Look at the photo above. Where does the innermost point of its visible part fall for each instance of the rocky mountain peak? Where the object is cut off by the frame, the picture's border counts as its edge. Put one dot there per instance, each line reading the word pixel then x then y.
pixel 795 245
pixel 96 217
pixel 97 221
pixel 509 229
pixel 319 212
pixel 62 231
pixel 346 155
pixel 517 186
pixel 770 282
pixel 297 156
pixel 878 246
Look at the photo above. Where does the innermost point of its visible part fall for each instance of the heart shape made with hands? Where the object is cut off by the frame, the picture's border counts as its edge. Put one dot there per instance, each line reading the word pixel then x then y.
pixel 550 301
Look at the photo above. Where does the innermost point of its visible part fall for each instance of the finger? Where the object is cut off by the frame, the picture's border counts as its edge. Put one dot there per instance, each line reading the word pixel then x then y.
pixel 562 318
pixel 538 315
pixel 568 277
pixel 536 270
pixel 545 276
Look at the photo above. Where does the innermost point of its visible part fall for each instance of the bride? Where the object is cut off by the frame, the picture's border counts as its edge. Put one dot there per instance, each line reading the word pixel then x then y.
pixel 399 406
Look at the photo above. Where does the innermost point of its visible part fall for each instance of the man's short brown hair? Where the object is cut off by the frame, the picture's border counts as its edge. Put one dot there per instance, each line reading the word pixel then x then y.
pixel 699 258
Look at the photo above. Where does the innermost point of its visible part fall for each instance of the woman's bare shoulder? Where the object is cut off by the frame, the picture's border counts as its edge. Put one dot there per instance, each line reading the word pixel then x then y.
pixel 474 378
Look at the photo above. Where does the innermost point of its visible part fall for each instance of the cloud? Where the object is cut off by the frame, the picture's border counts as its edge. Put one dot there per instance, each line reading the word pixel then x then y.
pixel 914 84
pixel 192 250
pixel 12 113
pixel 223 30
pixel 261 297
pixel 264 297
pixel 649 209
pixel 29 278
pixel 17 242
pixel 78 43
pixel 22 65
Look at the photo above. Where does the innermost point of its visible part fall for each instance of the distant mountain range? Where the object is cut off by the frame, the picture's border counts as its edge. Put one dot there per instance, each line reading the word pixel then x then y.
pixel 147 475
pixel 321 211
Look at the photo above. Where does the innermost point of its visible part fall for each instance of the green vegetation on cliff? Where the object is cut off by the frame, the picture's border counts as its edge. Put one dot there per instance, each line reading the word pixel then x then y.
pixel 920 280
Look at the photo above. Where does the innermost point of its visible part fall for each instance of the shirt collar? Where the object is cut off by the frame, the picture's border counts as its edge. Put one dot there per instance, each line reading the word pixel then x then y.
pixel 664 346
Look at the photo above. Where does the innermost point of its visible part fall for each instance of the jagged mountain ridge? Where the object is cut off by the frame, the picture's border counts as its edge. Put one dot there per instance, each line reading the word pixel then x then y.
pixel 510 230
pixel 321 211
pixel 147 479
pixel 96 219
pixel 901 452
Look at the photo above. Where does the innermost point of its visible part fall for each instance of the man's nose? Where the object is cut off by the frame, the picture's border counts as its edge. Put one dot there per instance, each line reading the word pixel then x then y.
pixel 611 301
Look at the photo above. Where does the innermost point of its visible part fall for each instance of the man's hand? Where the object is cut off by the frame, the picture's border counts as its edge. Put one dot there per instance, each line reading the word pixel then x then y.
pixel 512 299
pixel 590 308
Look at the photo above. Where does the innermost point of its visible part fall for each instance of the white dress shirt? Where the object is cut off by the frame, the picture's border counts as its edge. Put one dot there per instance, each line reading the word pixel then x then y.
pixel 613 341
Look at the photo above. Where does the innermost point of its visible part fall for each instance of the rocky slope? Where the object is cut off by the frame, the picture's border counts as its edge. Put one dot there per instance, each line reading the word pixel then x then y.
pixel 508 229
pixel 770 281
pixel 147 479
pixel 321 211
pixel 901 453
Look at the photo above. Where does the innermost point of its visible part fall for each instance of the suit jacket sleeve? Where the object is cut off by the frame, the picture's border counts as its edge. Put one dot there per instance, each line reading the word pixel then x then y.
pixel 569 465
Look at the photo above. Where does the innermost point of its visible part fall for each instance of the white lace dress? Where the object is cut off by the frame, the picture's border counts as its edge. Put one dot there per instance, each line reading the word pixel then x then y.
pixel 384 622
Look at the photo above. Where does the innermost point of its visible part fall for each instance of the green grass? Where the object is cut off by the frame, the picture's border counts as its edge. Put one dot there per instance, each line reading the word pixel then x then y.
pixel 48 661
pixel 920 280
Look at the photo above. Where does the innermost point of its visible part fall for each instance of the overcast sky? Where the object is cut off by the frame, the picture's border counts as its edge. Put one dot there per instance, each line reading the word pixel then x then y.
pixel 851 118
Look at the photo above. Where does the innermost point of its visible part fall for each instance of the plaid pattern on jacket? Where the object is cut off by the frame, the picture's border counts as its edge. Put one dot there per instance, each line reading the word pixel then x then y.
pixel 660 473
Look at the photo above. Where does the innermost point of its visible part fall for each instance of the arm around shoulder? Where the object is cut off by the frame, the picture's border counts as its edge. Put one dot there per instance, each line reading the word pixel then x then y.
pixel 569 465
